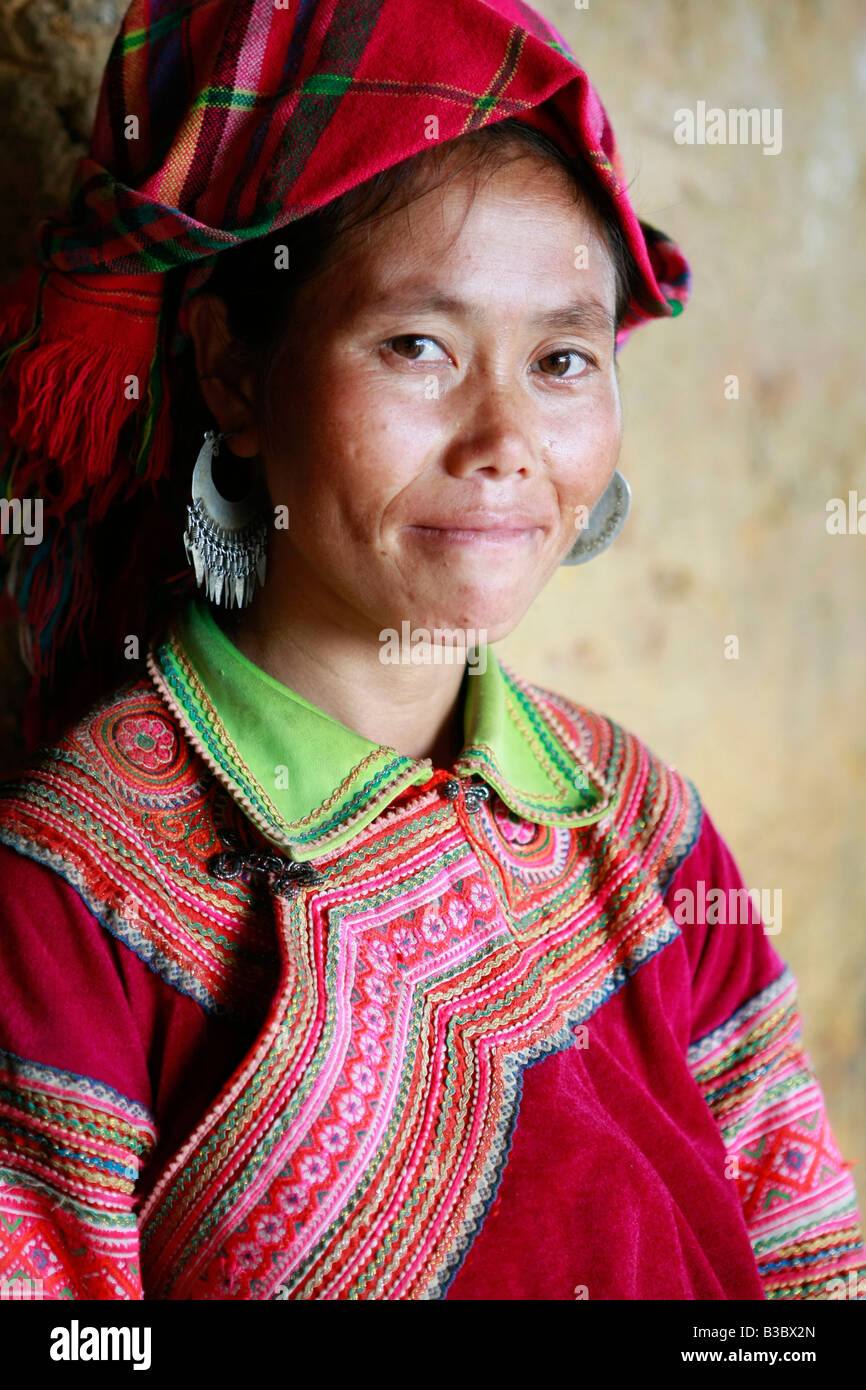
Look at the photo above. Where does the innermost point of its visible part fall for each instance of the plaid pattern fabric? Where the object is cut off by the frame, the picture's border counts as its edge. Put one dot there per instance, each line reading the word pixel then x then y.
pixel 223 121
pixel 219 121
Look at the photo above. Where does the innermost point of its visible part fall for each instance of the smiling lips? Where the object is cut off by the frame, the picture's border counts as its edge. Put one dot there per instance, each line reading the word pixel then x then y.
pixel 479 528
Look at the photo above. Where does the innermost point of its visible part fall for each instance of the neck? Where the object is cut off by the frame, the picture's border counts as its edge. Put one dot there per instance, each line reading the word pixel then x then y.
pixel 418 710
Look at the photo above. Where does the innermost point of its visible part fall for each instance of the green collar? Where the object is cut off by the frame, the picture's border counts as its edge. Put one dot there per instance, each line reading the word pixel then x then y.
pixel 310 783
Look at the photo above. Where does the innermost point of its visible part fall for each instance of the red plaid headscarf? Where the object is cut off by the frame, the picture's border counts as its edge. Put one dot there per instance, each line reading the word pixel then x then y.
pixel 223 120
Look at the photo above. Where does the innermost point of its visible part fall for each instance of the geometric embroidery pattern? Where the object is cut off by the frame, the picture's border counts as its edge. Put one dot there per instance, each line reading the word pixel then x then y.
pixel 797 1192
pixel 71 1152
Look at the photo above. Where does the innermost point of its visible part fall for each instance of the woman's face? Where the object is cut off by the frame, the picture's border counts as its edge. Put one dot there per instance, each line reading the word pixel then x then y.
pixel 444 407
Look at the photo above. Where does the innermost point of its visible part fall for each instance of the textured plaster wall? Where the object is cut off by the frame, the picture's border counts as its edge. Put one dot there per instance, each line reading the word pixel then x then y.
pixel 727 534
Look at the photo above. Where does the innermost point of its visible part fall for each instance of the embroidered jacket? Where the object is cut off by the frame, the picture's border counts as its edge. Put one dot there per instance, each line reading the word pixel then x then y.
pixel 285 1014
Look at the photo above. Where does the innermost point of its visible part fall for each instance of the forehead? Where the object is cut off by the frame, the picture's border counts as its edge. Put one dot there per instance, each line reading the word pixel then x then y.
pixel 512 233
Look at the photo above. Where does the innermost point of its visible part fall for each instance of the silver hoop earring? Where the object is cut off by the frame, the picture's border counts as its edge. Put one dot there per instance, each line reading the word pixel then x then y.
pixel 225 542
pixel 604 524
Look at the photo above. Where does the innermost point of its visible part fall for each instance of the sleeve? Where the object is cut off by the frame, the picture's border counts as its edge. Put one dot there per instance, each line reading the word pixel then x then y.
pixel 748 1057
pixel 104 1069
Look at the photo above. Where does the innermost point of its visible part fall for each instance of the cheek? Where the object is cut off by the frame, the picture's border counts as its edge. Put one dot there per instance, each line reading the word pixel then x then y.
pixel 583 451
pixel 343 447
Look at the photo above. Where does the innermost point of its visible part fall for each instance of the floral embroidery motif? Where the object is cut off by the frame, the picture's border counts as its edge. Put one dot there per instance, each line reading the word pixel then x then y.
pixel 147 741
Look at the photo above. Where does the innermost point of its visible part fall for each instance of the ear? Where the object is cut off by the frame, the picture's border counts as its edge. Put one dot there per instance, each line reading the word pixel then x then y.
pixel 225 378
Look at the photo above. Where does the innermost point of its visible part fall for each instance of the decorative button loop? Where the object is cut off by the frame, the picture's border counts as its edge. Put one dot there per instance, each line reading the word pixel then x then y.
pixel 474 793
pixel 289 876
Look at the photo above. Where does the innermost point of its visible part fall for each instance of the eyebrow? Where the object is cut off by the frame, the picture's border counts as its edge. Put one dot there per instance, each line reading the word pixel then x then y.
pixel 578 315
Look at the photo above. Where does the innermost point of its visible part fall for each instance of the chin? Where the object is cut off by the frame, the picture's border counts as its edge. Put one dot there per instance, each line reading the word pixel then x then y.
pixel 483 620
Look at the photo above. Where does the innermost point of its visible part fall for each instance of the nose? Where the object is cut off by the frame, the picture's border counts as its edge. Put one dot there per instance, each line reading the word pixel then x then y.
pixel 493 435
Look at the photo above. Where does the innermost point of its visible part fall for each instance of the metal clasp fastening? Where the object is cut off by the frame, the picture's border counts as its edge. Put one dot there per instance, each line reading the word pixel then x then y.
pixel 474 793
pixel 289 876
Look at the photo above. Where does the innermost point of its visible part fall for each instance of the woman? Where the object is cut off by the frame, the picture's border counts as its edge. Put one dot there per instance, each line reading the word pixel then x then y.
pixel 338 961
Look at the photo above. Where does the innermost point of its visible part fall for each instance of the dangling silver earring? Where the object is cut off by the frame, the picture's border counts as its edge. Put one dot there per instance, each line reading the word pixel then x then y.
pixel 605 522
pixel 226 542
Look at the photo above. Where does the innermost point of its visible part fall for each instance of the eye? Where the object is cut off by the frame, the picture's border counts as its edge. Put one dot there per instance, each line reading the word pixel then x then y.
pixel 406 345
pixel 559 361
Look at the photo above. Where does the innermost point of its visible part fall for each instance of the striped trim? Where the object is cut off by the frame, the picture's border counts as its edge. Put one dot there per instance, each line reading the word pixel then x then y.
pixel 72 1150
pixel 798 1195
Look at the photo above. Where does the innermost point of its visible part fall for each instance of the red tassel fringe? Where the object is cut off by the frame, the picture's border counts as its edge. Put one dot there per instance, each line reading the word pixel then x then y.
pixel 71 430
pixel 70 389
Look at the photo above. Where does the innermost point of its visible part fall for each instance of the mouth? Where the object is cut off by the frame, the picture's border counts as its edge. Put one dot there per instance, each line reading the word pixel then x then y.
pixel 471 532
